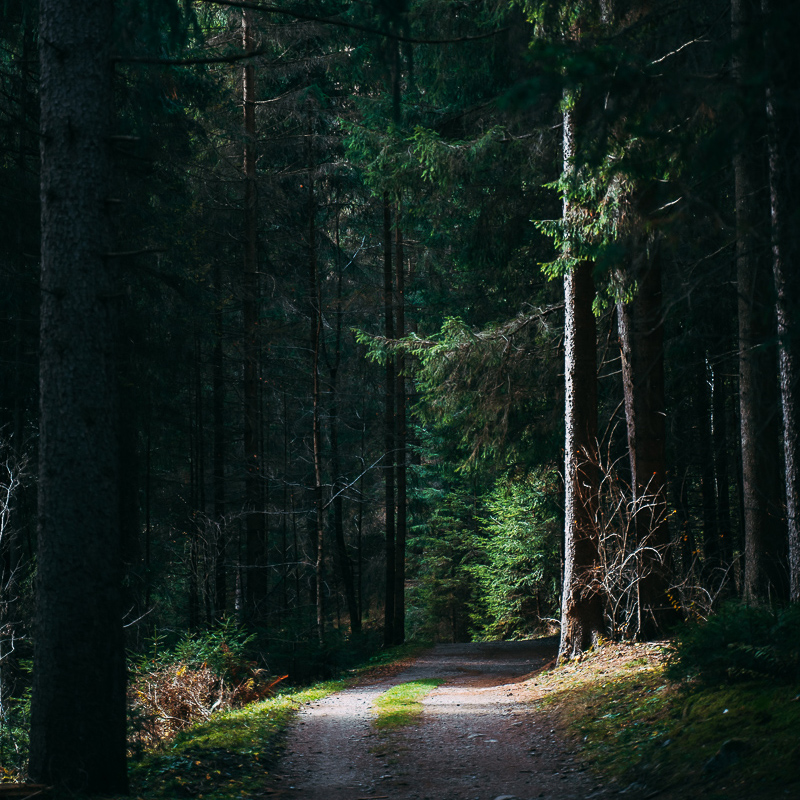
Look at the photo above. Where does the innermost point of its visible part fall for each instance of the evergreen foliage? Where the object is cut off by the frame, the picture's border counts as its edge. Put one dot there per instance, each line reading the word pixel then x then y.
pixel 740 643
pixel 450 118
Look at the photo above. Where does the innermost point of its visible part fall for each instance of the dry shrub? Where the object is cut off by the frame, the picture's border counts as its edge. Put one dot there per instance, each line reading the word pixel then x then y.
pixel 170 697
pixel 203 674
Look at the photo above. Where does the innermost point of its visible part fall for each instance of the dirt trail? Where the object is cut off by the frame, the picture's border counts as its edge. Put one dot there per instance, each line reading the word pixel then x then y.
pixel 478 739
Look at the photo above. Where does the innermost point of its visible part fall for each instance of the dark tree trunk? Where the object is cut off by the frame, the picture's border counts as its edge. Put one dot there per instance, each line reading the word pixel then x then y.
pixel 400 468
pixel 719 394
pixel 256 547
pixel 339 485
pixel 763 538
pixel 315 334
pixel 218 467
pixel 389 425
pixel 783 138
pixel 641 334
pixel 78 707
pixel 581 603
pixel 705 455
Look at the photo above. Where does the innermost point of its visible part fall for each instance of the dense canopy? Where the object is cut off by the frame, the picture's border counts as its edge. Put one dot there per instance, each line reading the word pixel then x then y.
pixel 335 323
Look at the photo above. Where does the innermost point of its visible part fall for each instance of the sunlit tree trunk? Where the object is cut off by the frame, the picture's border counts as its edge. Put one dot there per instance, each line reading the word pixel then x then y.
pixel 783 138
pixel 581 603
pixel 78 712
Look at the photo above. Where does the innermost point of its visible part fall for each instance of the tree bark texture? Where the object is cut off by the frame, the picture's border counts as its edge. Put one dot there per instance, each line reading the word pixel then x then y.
pixel 400 467
pixel 315 342
pixel 389 429
pixel 256 546
pixel 339 486
pixel 218 466
pixel 78 710
pixel 783 139
pixel 581 603
pixel 762 536
pixel 641 335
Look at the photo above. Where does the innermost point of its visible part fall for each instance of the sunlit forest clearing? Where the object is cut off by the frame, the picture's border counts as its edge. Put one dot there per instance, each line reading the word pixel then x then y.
pixel 331 328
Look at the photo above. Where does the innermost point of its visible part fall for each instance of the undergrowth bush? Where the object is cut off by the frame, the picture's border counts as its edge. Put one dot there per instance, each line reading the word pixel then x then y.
pixel 14 726
pixel 172 687
pixel 740 642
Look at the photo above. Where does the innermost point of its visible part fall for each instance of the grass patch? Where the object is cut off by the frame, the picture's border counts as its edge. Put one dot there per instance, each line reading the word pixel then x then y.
pixel 401 705
pixel 228 754
pixel 685 740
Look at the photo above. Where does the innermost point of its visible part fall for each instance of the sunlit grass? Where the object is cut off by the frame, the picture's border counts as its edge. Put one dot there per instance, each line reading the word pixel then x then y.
pixel 231 753
pixel 228 754
pixel 402 705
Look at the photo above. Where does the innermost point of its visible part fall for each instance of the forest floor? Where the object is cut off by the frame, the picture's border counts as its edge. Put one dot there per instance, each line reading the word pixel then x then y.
pixel 478 735
pixel 485 721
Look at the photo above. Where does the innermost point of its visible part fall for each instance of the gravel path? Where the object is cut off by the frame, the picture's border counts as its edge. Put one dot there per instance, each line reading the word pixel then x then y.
pixel 478 738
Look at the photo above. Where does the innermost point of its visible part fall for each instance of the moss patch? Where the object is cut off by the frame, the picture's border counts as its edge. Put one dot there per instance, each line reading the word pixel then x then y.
pixel 228 754
pixel 636 726
pixel 402 705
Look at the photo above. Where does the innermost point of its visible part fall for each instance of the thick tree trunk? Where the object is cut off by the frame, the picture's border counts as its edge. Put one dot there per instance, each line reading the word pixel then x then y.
pixel 761 536
pixel 389 425
pixel 783 138
pixel 256 546
pixel 581 603
pixel 641 334
pixel 400 387
pixel 78 707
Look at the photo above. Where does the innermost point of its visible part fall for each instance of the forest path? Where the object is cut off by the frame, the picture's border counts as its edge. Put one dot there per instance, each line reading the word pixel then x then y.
pixel 478 739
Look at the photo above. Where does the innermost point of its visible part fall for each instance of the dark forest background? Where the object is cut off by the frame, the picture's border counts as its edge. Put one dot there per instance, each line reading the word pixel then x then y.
pixel 348 254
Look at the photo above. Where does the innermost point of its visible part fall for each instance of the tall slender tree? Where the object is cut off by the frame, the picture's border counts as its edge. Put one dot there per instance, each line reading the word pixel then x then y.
pixel 256 577
pixel 389 424
pixel 400 461
pixel 783 137
pixel 581 604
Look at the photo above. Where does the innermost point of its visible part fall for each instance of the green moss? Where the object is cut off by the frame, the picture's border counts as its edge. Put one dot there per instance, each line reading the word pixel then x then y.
pixel 724 742
pixel 228 754
pixel 401 705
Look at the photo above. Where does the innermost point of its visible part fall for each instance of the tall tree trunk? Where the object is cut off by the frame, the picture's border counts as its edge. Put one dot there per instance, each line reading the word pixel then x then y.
pixel 641 334
pixel 783 138
pixel 719 395
pixel 315 333
pixel 389 425
pixel 762 536
pixel 78 708
pixel 218 478
pixel 285 514
pixel 339 485
pixel 705 455
pixel 581 604
pixel 400 468
pixel 256 550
